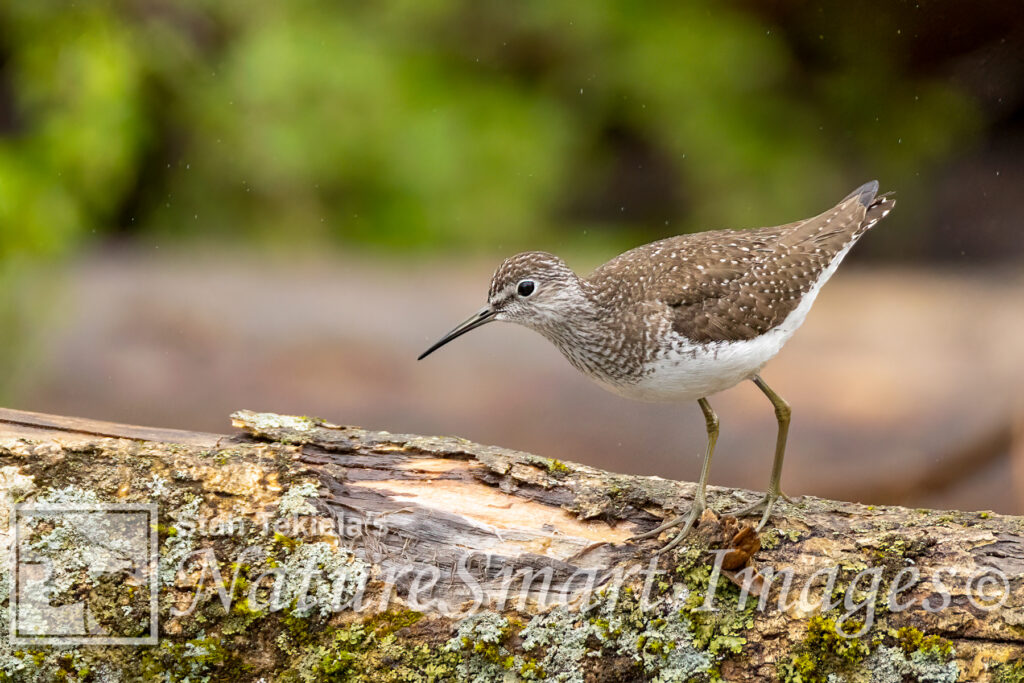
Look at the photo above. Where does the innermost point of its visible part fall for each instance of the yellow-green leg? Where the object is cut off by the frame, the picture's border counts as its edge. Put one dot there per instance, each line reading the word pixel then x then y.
pixel 700 500
pixel 782 414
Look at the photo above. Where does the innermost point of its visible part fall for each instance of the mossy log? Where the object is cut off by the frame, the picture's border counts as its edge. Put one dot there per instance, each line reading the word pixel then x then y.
pixel 299 550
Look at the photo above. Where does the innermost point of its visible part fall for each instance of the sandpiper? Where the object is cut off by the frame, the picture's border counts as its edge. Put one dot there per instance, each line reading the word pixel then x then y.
pixel 686 317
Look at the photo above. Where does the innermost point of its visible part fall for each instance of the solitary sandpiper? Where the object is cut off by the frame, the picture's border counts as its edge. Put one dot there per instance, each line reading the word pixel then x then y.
pixel 685 317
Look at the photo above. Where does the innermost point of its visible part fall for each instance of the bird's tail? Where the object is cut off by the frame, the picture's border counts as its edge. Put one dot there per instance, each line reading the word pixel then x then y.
pixel 865 193
pixel 878 209
pixel 878 205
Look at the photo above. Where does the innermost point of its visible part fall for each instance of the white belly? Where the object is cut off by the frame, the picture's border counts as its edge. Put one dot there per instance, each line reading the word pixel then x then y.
pixel 691 371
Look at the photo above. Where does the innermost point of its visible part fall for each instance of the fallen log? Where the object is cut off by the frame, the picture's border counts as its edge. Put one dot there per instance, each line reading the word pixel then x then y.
pixel 296 549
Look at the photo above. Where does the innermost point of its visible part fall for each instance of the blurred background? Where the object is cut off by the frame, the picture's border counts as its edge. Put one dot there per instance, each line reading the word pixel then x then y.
pixel 212 205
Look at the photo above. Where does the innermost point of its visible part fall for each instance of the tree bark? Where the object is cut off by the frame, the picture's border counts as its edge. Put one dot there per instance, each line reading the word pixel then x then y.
pixel 296 549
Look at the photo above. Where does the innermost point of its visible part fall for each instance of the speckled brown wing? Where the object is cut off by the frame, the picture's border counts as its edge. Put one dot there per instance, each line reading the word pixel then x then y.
pixel 733 285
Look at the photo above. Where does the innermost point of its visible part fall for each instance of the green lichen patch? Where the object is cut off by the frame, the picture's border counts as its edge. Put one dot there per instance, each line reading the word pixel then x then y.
pixel 825 652
pixel 894 665
pixel 1010 672
pixel 719 631
pixel 911 640
pixel 366 652
pixel 482 644
pixel 385 623
pixel 177 547
pixel 195 659
pixel 658 638
pixel 557 467
pixel 895 549
pixel 831 653
pixel 31 665
pixel 770 539
pixel 318 578
pixel 618 636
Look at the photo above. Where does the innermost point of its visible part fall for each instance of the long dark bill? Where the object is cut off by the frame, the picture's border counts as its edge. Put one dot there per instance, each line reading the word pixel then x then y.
pixel 481 317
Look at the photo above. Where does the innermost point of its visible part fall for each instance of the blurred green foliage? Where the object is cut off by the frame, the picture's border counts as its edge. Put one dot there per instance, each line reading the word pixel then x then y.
pixel 444 123
pixel 454 124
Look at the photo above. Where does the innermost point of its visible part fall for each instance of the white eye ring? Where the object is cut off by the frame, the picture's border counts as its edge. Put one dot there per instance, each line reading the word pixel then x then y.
pixel 526 288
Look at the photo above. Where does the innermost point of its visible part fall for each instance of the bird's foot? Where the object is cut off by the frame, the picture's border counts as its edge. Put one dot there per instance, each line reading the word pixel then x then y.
pixel 686 521
pixel 767 502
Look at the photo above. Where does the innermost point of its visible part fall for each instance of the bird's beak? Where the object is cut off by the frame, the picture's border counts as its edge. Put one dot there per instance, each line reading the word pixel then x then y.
pixel 481 317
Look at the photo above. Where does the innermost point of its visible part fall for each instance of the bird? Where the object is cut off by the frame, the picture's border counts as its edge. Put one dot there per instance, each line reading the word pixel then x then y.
pixel 686 317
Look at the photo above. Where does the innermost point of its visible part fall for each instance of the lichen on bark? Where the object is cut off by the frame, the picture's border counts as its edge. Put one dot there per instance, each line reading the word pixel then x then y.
pixel 299 550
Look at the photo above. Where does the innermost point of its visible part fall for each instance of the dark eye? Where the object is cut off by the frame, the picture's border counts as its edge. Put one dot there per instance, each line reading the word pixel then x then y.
pixel 525 287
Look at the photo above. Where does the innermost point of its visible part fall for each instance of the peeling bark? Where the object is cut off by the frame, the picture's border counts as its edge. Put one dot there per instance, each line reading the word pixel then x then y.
pixel 457 554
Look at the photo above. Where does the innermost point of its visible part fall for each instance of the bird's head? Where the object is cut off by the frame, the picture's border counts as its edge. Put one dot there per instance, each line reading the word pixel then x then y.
pixel 533 288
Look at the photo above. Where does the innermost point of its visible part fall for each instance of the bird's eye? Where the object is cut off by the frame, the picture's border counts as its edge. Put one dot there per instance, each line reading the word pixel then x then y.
pixel 525 287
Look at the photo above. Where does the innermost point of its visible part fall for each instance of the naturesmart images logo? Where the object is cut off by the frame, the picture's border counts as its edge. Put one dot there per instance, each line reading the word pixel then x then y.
pixel 89 574
pixel 84 574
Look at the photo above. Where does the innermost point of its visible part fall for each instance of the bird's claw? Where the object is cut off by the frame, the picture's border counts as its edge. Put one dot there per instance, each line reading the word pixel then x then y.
pixel 767 502
pixel 687 521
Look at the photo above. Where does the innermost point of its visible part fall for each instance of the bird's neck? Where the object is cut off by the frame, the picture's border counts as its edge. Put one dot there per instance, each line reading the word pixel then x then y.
pixel 585 331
